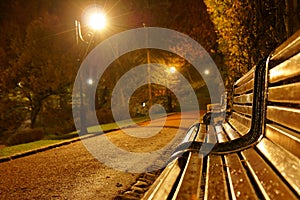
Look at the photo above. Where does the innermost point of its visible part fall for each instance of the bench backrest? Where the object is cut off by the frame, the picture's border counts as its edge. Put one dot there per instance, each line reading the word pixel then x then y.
pixel 243 103
pixel 280 143
pixel 283 104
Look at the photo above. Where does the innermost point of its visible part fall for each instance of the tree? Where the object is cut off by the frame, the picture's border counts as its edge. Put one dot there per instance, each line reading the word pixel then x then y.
pixel 249 30
pixel 42 67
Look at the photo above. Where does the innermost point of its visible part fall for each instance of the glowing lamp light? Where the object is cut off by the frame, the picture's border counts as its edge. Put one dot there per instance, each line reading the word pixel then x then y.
pixel 97 21
pixel 172 70
pixel 206 72
pixel 90 81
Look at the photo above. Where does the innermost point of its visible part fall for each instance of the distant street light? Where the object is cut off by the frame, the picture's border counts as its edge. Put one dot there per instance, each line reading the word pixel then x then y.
pixel 206 72
pixel 172 70
pixel 90 81
pixel 96 20
pixel 169 71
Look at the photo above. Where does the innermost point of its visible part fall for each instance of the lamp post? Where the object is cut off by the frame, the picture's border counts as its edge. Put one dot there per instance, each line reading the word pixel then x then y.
pixel 149 70
pixel 170 70
pixel 96 21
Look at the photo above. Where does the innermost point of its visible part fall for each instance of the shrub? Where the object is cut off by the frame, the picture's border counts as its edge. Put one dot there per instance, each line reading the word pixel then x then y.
pixel 12 114
pixel 5 135
pixel 25 136
pixel 56 121
pixel 64 127
pixel 104 116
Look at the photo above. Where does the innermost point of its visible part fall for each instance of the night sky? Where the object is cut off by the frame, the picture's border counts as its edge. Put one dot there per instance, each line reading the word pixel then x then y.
pixel 180 15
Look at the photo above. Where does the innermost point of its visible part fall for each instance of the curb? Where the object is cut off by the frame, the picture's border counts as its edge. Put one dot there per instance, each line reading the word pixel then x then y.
pixel 52 146
pixel 41 149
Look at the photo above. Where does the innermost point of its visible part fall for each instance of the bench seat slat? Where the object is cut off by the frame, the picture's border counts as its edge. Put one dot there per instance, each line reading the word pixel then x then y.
pixel 289 68
pixel 191 134
pixel 211 136
pixel 221 135
pixel 288 117
pixel 240 185
pixel 286 163
pixel 216 186
pixel 201 133
pixel 286 94
pixel 270 184
pixel 164 183
pixel 284 137
pixel 232 134
pixel 190 183
pixel 239 126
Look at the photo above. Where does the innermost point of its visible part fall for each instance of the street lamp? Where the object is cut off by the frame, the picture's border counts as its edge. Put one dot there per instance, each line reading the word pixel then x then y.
pixel 206 72
pixel 170 70
pixel 95 20
pixel 148 69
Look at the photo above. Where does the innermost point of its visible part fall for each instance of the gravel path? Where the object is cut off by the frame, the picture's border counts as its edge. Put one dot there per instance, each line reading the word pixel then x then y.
pixel 71 172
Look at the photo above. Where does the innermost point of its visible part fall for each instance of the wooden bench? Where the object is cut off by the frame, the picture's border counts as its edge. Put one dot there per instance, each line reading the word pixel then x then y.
pixel 255 154
pixel 218 108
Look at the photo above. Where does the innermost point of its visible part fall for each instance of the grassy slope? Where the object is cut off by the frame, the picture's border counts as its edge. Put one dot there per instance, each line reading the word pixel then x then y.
pixel 52 139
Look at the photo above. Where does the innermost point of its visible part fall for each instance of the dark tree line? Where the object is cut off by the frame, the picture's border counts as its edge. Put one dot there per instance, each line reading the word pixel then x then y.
pixel 39 56
pixel 249 30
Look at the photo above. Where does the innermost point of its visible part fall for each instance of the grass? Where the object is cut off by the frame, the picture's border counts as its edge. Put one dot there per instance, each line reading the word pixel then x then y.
pixel 11 150
pixel 121 124
pixel 53 139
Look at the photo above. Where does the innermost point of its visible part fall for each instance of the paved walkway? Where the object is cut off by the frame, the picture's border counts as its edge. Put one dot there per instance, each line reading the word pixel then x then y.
pixel 71 172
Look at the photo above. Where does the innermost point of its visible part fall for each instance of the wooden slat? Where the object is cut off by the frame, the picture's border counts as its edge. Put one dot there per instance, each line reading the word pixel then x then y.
pixel 247 110
pixel 211 135
pixel 288 117
pixel 288 48
pixel 289 68
pixel 232 134
pixel 221 136
pixel 240 128
pixel 243 99
pixel 245 87
pixel 286 93
pixel 244 79
pixel 215 187
pixel 286 163
pixel 189 185
pixel 245 120
pixel 201 133
pixel 240 185
pixel 164 183
pixel 270 184
pixel 191 134
pixel 287 139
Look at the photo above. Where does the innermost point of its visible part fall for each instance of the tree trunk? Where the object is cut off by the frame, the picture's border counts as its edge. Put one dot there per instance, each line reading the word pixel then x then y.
pixel 291 17
pixel 34 112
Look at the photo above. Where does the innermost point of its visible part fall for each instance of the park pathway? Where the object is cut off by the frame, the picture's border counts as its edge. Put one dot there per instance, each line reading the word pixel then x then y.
pixel 71 172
